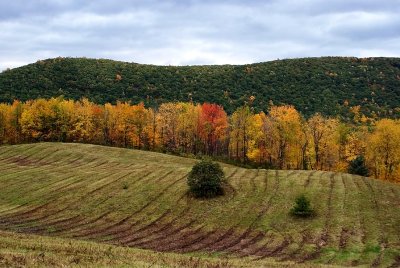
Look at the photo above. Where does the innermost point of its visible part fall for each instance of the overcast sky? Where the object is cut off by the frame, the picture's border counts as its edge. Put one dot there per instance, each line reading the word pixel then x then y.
pixel 188 32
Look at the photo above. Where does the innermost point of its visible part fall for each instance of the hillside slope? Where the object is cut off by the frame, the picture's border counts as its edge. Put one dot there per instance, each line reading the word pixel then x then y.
pixel 29 250
pixel 335 83
pixel 138 199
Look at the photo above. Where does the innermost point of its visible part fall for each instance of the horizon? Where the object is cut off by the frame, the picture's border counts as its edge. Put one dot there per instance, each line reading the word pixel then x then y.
pixel 193 65
pixel 189 33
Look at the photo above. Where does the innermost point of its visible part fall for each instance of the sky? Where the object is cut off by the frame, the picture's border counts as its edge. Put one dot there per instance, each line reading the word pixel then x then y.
pixel 194 32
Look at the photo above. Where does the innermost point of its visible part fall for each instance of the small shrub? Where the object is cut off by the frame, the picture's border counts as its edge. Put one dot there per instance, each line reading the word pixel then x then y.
pixel 358 166
pixel 302 207
pixel 205 179
pixel 125 186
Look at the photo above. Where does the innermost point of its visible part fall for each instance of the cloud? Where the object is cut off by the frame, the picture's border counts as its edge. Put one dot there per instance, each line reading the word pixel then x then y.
pixel 196 32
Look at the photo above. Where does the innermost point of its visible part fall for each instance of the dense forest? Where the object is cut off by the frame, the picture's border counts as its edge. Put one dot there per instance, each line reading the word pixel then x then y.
pixel 281 138
pixel 332 86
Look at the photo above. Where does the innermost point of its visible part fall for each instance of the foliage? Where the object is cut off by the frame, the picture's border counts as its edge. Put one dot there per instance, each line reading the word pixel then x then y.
pixel 279 139
pixel 358 166
pixel 302 207
pixel 383 150
pixel 340 86
pixel 205 179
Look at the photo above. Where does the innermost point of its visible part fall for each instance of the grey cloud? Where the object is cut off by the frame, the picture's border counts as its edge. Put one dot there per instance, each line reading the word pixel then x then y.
pixel 196 32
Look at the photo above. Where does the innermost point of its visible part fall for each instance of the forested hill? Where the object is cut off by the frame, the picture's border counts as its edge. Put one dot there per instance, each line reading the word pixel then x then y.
pixel 330 85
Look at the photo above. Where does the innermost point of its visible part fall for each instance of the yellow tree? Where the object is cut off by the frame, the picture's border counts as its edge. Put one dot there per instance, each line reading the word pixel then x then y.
pixel 305 145
pixel 167 123
pixel 239 133
pixel 14 119
pixel 383 149
pixel 289 135
pixel 325 141
pixel 82 128
pixel 267 143
pixel 5 114
pixel 117 128
pixel 257 145
pixel 188 129
pixel 37 119
pixel 98 124
pixel 355 144
pixel 140 118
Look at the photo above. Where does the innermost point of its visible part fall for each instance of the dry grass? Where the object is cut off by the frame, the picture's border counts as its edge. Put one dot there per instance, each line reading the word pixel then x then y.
pixel 27 250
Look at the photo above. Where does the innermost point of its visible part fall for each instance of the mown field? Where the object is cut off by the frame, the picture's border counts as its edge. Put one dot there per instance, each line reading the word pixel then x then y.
pixel 20 250
pixel 136 199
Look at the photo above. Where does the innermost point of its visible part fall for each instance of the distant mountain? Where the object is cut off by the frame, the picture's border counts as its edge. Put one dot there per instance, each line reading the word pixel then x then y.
pixel 329 85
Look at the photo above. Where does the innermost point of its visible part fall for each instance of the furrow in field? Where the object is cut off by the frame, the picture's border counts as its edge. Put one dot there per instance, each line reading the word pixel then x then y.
pixel 345 233
pixel 188 239
pixel 231 243
pixel 30 214
pixel 130 234
pixel 158 231
pixel 308 180
pixel 99 227
pixel 383 241
pixel 122 223
pixel 324 238
pixel 230 239
pixel 86 221
pixel 172 238
pixel 268 250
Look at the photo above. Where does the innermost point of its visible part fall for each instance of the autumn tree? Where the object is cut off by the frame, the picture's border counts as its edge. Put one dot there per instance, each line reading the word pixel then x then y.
pixel 188 128
pixel 213 126
pixel 3 124
pixel 14 120
pixel 289 136
pixel 167 122
pixel 140 119
pixel 239 133
pixel 45 120
pixel 282 138
pixel 383 150
pixel 257 150
pixel 324 138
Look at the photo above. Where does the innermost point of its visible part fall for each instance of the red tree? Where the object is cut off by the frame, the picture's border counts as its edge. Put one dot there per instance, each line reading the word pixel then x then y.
pixel 213 126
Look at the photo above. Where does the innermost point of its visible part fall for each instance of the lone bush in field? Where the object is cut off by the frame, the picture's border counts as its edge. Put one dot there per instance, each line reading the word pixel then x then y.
pixel 302 207
pixel 358 167
pixel 205 179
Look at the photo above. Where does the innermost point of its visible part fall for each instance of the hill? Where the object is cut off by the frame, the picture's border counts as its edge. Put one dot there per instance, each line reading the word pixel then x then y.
pixel 336 84
pixel 139 199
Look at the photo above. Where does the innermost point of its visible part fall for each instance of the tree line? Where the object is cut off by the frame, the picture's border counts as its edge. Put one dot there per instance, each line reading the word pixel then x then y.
pixel 278 138
pixel 336 83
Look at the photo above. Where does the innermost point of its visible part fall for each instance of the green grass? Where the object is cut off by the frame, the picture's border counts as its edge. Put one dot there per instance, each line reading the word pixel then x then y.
pixel 138 199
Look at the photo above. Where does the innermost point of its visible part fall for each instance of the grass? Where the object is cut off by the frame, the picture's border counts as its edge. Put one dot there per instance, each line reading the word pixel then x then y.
pixel 116 197
pixel 19 250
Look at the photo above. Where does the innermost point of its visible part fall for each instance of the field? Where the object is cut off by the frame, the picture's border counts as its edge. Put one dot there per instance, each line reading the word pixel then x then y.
pixel 19 250
pixel 116 197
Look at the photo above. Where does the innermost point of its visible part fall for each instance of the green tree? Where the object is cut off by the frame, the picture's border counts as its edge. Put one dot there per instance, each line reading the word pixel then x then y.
pixel 205 179
pixel 358 166
pixel 302 207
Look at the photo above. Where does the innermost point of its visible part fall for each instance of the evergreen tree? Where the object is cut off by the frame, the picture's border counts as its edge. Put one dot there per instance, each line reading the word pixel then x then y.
pixel 205 179
pixel 358 167
pixel 302 207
